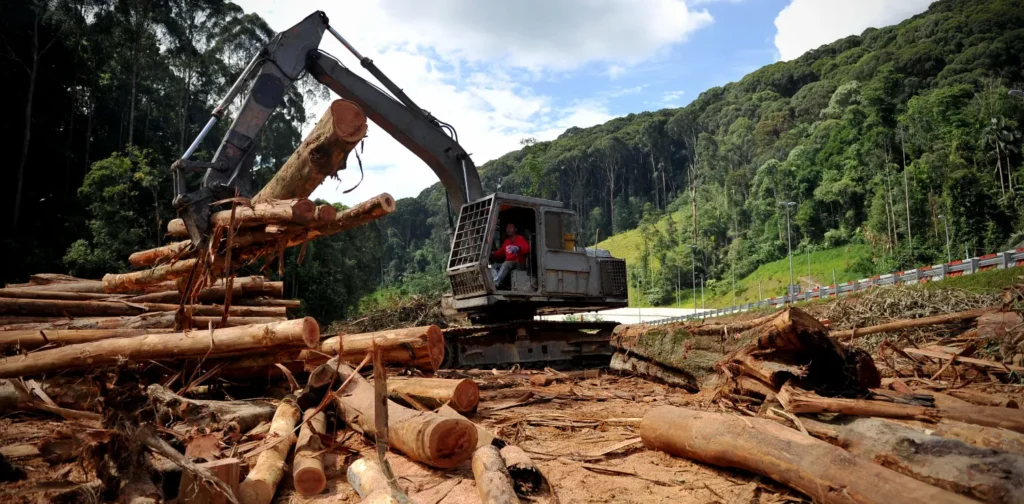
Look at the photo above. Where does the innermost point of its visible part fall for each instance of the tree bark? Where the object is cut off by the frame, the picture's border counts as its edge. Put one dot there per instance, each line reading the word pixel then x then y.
pixel 85 286
pixel 526 477
pixel 801 401
pixel 18 293
pixel 826 473
pixel 633 363
pixel 321 154
pixel 228 341
pixel 152 256
pixel 462 395
pixel 493 483
pixel 421 347
pixel 422 436
pixel 260 485
pixel 56 308
pixel 243 414
pixel 979 435
pixel 977 397
pixel 981 473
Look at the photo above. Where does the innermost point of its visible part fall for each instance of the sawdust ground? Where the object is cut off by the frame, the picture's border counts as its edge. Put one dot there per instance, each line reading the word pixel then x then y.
pixel 560 434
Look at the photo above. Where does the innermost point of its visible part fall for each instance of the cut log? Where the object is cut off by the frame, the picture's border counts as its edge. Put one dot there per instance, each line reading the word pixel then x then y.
pixel 158 320
pixel 94 286
pixel 483 436
pixel 156 255
pixel 209 294
pixel 421 435
pixel 58 308
pixel 802 401
pixel 979 435
pixel 636 331
pixel 415 346
pixel 35 338
pixel 462 395
pixel 629 362
pixel 320 155
pixel 227 341
pixel 308 468
pixel 982 473
pixel 898 325
pixel 989 416
pixel 526 477
pixel 193 491
pixel 281 303
pixel 796 346
pixel 279 211
pixel 971 396
pixel 493 483
pixel 260 484
pixel 325 214
pixel 826 473
pixel 368 480
pixel 243 414
pixel 137 280
pixel 59 295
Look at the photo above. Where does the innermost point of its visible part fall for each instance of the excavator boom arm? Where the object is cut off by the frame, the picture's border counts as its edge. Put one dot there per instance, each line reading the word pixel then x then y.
pixel 273 71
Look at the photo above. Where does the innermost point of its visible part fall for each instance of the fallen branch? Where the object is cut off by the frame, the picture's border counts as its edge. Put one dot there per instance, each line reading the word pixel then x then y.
pixel 911 323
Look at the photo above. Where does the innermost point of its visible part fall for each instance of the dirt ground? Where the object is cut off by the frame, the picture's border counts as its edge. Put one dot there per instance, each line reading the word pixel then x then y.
pixel 585 439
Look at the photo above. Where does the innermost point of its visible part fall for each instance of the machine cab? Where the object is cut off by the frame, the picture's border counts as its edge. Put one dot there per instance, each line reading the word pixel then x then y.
pixel 556 276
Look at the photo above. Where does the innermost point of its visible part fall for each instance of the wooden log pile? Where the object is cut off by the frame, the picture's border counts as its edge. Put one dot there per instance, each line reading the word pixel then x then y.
pixel 154 365
pixel 805 408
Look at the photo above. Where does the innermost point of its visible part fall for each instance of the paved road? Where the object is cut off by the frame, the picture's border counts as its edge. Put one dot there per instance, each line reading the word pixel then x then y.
pixel 628 315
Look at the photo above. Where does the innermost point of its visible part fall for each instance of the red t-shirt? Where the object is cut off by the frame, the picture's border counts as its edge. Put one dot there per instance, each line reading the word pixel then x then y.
pixel 519 256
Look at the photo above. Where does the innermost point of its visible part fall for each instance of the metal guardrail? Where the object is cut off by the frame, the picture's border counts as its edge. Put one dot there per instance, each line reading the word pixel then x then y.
pixel 999 260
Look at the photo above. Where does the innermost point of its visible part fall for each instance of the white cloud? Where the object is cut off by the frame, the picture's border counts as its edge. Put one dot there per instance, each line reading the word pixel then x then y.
pixel 808 24
pixel 672 97
pixel 473 64
pixel 615 71
pixel 545 33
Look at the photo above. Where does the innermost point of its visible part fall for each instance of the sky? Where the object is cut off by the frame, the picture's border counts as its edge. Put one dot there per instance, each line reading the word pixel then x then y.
pixel 502 71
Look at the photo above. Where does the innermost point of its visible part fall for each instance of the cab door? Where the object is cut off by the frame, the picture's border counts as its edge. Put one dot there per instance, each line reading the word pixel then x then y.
pixel 565 271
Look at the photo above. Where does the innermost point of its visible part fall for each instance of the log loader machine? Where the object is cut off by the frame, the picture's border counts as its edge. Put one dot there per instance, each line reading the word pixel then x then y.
pixel 560 277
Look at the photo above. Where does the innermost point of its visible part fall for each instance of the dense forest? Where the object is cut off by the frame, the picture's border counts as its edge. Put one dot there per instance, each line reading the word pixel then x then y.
pixel 883 138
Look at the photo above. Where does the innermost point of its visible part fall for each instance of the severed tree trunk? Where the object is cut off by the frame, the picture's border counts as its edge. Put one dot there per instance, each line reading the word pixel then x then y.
pixel 136 280
pixel 220 342
pixel 307 468
pixel 826 473
pixel 260 485
pixel 157 320
pixel 284 211
pixel 57 308
pixel 462 395
pixel 243 414
pixel 632 363
pixel 421 435
pixel 421 347
pixel 31 339
pixel 984 474
pixel 322 153
pixel 368 480
pixel 493 482
pixel 911 323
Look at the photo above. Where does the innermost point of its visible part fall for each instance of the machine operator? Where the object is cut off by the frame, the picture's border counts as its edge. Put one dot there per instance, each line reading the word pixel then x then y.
pixel 513 253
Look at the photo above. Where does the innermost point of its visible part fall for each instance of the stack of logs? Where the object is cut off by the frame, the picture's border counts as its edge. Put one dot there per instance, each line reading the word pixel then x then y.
pixel 805 408
pixel 128 353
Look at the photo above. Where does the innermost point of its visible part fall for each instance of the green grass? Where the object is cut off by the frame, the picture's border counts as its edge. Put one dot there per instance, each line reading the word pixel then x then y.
pixel 983 282
pixel 774 276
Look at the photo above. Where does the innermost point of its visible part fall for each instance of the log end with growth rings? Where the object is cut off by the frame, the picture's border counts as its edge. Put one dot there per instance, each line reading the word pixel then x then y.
pixel 449 441
pixel 466 396
pixel 349 121
pixel 310 332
